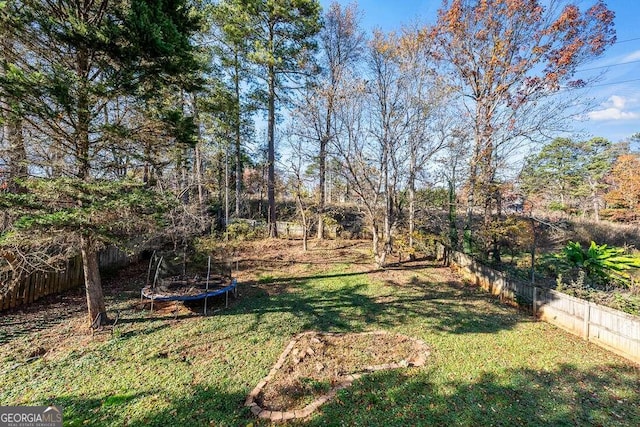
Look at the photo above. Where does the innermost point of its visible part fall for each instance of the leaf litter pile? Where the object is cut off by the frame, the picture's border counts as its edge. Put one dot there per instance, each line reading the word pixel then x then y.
pixel 320 362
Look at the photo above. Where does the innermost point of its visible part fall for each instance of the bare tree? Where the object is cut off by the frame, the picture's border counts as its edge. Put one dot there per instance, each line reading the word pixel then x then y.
pixel 424 94
pixel 370 130
pixel 388 127
pixel 298 184
pixel 359 160
pixel 452 161
pixel 341 44
pixel 507 57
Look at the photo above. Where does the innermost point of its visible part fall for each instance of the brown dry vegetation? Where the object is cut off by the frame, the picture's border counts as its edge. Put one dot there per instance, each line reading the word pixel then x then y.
pixel 318 363
pixel 488 364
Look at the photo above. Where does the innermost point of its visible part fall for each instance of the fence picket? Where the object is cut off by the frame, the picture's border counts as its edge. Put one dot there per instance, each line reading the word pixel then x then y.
pixel 39 284
pixel 611 329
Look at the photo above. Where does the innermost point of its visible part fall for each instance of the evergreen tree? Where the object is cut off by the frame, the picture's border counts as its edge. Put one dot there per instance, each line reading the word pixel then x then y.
pixel 232 25
pixel 282 44
pixel 569 175
pixel 81 58
pixel 552 174
pixel 12 150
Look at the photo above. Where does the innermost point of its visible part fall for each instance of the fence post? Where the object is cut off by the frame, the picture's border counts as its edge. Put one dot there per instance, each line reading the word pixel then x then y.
pixel 587 319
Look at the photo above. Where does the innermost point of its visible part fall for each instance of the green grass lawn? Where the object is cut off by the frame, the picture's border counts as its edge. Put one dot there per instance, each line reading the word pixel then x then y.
pixel 489 364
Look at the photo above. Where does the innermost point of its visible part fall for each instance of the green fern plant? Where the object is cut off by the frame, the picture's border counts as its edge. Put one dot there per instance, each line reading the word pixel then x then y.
pixel 607 263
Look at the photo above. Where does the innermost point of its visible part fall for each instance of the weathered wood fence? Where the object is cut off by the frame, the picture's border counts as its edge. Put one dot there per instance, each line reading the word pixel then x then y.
pixel 612 329
pixel 40 283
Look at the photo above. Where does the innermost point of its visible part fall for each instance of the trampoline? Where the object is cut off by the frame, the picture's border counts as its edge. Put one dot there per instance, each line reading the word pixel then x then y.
pixel 184 288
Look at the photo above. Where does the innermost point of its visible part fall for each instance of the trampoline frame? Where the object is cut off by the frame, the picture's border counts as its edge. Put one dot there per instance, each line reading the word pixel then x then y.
pixel 233 287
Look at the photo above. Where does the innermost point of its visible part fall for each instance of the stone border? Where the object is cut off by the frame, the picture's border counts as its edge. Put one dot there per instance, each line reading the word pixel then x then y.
pixel 347 380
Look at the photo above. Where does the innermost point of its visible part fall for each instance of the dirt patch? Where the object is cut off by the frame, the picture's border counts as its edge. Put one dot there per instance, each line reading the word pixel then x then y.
pixel 315 365
pixel 287 255
pixel 57 324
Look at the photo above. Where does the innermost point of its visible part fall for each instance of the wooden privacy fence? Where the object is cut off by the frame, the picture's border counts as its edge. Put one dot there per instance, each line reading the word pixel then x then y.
pixel 611 329
pixel 40 283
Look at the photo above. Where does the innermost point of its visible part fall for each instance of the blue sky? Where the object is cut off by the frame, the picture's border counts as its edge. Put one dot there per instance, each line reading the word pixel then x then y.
pixel 616 114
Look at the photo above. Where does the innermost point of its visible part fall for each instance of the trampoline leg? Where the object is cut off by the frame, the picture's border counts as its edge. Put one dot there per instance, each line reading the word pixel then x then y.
pixel 152 305
pixel 226 299
pixel 205 305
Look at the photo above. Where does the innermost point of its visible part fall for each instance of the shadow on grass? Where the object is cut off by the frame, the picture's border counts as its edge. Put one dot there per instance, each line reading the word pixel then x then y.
pixel 197 406
pixel 48 312
pixel 566 396
pixel 41 315
pixel 350 304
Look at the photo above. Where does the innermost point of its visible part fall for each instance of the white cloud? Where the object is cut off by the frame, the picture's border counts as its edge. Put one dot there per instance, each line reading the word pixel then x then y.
pixel 613 114
pixel 633 56
pixel 618 101
pixel 614 108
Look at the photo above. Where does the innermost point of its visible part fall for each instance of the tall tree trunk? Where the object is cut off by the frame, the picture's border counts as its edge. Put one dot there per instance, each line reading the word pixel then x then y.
pixel 83 115
pixel 303 217
pixel 182 177
pixel 271 156
pixel 480 164
pixel 238 136
pixel 534 243
pixel 198 173
pixel 380 256
pixel 146 174
pixel 388 242
pixel 412 203
pixel 17 159
pixel 497 197
pixel 468 225
pixel 198 157
pixel 17 152
pixel 453 230
pixel 92 282
pixel 594 199
pixel 226 188
pixel 322 164
pixel 322 168
pixel 388 201
pixel 12 128
pixel 412 221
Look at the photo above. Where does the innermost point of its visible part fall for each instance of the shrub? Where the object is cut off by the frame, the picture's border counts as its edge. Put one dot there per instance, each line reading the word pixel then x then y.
pixel 601 262
pixel 246 230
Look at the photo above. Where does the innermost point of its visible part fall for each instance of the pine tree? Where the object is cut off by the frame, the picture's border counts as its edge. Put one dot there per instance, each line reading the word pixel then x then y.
pixel 232 25
pixel 282 45
pixel 82 58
